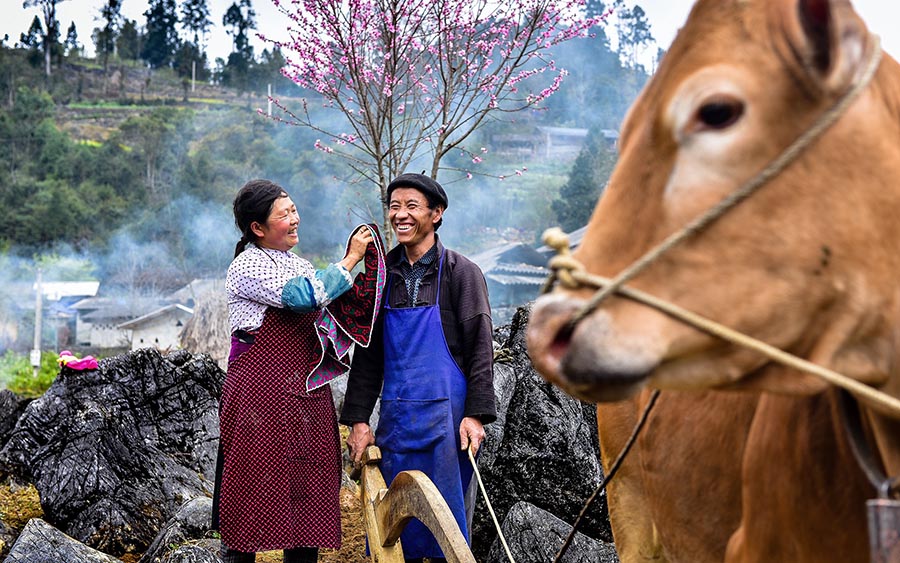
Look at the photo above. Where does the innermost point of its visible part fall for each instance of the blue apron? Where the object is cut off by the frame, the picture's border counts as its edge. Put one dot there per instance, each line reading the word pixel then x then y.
pixel 422 404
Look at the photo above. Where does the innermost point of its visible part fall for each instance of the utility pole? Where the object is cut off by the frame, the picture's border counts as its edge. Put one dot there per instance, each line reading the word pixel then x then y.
pixel 193 74
pixel 38 307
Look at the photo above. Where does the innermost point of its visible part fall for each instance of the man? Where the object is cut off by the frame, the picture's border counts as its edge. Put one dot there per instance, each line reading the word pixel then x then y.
pixel 430 358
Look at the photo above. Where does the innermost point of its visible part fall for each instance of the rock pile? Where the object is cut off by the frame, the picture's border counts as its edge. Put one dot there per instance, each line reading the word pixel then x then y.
pixel 542 450
pixel 115 452
pixel 124 458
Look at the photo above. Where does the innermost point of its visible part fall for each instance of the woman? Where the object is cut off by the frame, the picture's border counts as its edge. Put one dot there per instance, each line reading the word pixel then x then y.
pixel 280 463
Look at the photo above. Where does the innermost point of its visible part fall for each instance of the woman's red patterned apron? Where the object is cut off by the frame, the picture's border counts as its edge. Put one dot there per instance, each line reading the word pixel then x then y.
pixel 280 444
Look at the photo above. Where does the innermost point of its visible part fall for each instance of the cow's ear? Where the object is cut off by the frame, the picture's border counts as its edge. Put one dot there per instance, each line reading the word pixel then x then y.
pixel 830 40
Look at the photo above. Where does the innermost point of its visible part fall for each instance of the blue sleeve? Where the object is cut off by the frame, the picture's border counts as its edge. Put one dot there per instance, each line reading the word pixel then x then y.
pixel 303 295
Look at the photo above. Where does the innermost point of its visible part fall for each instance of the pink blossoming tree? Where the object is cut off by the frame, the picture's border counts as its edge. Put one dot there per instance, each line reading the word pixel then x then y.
pixel 415 78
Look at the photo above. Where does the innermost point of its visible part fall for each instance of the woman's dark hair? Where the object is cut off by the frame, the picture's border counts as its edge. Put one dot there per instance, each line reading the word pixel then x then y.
pixel 252 204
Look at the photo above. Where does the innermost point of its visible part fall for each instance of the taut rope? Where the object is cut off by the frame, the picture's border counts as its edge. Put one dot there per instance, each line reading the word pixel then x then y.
pixel 490 508
pixel 572 274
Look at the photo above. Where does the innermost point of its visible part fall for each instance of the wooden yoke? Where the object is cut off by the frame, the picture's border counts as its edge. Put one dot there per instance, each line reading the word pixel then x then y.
pixel 411 495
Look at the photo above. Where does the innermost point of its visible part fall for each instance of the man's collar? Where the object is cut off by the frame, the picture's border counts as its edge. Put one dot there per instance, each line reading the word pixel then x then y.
pixel 397 255
pixel 426 258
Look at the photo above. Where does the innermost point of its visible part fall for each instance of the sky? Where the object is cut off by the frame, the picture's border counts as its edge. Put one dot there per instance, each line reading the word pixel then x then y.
pixel 665 17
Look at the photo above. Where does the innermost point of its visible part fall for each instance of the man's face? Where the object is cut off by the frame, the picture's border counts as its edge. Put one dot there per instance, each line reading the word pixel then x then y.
pixel 412 220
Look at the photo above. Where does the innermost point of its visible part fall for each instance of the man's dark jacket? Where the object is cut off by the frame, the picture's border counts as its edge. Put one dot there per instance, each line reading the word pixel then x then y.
pixel 466 318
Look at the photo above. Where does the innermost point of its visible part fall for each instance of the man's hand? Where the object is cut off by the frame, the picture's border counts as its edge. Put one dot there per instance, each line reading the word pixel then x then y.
pixel 360 438
pixel 471 431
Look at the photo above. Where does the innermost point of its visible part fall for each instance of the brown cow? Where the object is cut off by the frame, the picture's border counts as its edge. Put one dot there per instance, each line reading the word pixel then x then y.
pixel 810 263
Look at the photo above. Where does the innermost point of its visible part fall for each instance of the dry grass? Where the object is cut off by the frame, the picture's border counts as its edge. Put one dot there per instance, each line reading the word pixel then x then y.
pixel 207 331
pixel 18 505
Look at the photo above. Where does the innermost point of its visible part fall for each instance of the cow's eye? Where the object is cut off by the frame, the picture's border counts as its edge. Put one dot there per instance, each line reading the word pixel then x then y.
pixel 720 113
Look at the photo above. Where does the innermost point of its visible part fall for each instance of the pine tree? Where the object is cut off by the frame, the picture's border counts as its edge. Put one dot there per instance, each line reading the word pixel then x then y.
pixel 105 37
pixel 161 41
pixel 128 42
pixel 195 20
pixel 634 34
pixel 32 38
pixel 587 180
pixel 72 46
pixel 240 19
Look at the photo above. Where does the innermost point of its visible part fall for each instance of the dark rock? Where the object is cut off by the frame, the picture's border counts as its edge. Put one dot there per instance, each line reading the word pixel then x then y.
pixel 191 522
pixel 8 536
pixel 114 452
pixel 40 542
pixel 11 408
pixel 536 536
pixel 191 554
pixel 542 449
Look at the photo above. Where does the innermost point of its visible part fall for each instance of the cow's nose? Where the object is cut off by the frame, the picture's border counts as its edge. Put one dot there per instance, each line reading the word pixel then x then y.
pixel 593 360
pixel 548 333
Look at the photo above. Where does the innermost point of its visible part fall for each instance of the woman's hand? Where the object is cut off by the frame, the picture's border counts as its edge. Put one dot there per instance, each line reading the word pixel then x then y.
pixel 358 244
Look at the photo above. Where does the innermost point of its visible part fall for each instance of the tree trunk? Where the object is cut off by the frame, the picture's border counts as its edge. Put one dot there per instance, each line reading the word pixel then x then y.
pixel 47 48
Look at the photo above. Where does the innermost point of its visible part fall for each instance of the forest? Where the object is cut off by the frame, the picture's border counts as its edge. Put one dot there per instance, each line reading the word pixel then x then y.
pixel 121 167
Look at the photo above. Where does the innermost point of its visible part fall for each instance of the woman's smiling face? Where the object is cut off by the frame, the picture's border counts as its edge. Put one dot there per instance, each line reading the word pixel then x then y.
pixel 280 230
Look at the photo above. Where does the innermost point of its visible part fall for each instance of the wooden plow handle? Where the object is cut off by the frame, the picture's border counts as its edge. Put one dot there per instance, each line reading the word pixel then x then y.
pixel 411 495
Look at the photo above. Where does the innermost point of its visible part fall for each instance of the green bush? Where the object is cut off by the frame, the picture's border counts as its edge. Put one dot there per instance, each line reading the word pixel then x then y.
pixel 17 375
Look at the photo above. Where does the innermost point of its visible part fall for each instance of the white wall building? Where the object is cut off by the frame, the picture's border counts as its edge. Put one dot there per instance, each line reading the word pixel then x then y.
pixel 160 329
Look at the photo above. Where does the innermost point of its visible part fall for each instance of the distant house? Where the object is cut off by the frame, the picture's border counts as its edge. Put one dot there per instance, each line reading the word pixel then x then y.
pixel 59 291
pixel 135 321
pixel 98 319
pixel 60 297
pixel 548 142
pixel 188 294
pixel 159 329
pixel 514 274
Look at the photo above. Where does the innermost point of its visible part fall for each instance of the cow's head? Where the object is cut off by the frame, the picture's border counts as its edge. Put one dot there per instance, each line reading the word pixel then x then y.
pixel 810 263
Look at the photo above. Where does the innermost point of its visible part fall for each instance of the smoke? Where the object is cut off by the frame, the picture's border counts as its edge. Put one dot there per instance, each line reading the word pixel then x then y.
pixel 169 244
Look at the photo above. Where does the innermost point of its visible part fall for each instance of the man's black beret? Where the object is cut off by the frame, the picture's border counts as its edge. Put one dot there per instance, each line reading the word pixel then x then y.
pixel 431 188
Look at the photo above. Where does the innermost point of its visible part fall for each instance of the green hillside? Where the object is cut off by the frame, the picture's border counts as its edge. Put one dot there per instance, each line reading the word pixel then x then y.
pixel 133 161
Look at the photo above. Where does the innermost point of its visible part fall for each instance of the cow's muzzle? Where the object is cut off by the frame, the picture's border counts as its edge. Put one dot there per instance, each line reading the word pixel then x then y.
pixel 592 360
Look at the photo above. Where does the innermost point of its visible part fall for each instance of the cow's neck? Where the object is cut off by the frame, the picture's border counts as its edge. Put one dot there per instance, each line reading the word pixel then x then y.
pixel 887 83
